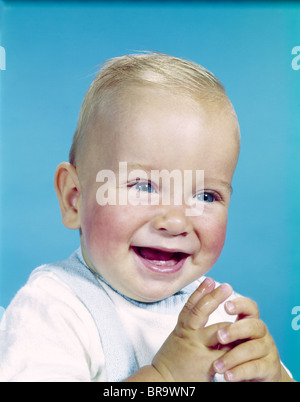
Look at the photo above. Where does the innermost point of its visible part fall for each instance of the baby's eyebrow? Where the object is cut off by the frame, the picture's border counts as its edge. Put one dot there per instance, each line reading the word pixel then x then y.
pixel 139 166
pixel 223 183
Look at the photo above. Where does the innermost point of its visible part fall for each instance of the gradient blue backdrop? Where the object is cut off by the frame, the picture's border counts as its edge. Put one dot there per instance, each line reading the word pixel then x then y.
pixel 52 50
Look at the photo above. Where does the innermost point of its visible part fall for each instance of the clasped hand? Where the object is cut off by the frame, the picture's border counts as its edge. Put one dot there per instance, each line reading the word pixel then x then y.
pixel 241 351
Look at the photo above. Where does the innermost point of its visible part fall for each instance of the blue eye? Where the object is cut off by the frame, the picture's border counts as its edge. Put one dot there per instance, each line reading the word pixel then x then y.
pixel 144 186
pixel 206 197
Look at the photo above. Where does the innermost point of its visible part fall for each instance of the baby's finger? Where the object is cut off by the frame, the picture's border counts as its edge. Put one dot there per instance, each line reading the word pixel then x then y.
pixel 195 315
pixel 254 370
pixel 207 286
pixel 247 351
pixel 242 307
pixel 209 335
pixel 249 328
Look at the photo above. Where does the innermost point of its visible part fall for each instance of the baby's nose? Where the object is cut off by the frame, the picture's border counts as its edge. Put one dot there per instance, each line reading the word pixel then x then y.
pixel 174 222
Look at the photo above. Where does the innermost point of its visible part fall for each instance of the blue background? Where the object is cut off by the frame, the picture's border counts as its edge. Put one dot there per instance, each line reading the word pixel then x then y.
pixel 52 51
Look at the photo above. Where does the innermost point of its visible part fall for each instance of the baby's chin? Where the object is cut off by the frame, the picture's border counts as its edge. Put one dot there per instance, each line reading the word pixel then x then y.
pixel 146 296
pixel 151 294
pixel 145 293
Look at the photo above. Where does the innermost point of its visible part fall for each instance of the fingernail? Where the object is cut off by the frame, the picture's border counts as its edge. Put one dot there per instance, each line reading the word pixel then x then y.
pixel 219 366
pixel 223 335
pixel 229 376
pixel 225 287
pixel 230 307
pixel 209 281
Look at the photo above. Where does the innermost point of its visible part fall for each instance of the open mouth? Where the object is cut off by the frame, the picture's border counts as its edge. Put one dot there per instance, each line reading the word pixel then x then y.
pixel 160 260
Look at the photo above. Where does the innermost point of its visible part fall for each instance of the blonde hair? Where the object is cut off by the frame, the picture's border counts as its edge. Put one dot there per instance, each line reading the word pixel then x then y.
pixel 160 69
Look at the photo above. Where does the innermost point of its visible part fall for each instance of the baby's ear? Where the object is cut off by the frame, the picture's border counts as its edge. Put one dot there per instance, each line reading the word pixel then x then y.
pixel 67 188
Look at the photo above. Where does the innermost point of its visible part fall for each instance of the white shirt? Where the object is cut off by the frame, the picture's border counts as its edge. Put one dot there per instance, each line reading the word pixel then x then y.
pixel 48 335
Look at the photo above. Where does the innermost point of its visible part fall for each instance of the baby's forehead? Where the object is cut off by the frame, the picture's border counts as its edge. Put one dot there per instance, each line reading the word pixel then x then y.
pixel 127 106
pixel 177 76
pixel 123 100
pixel 114 116
pixel 114 134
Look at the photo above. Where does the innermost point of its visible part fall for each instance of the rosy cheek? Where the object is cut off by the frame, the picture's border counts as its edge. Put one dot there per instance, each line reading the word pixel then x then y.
pixel 97 230
pixel 218 240
pixel 103 229
pixel 212 234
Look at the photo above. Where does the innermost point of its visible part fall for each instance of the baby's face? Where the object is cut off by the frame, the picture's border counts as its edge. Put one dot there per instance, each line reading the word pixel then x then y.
pixel 149 252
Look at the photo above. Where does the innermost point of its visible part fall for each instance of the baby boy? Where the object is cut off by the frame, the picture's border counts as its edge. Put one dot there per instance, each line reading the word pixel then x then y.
pixel 148 186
